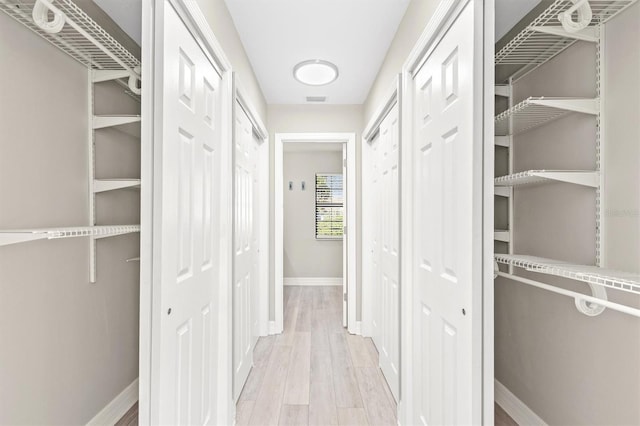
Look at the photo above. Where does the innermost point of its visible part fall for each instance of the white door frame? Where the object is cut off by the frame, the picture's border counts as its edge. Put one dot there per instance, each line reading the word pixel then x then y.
pixel 263 187
pixel 392 97
pixel 433 32
pixel 351 224
pixel 197 25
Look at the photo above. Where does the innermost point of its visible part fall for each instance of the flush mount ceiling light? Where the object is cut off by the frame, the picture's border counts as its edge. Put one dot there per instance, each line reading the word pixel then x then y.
pixel 315 72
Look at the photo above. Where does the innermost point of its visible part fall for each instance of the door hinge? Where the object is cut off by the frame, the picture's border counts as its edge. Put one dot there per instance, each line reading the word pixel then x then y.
pixel 344 230
pixel 344 297
pixel 344 162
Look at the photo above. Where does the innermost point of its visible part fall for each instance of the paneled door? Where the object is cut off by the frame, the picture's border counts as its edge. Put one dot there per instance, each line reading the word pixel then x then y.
pixel 447 223
pixel 389 342
pixel 345 240
pixel 245 246
pixel 376 227
pixel 186 229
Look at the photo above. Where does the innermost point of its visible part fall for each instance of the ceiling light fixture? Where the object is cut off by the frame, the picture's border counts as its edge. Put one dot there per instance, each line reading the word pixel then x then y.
pixel 315 72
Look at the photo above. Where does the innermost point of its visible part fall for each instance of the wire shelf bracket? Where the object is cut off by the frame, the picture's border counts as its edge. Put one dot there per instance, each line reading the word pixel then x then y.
pixel 530 177
pixel 502 235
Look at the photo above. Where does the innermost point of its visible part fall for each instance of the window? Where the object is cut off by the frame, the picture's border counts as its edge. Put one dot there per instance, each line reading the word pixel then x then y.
pixel 329 206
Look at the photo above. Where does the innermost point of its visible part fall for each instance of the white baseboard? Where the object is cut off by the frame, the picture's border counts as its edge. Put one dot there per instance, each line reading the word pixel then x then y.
pixel 117 408
pixel 273 329
pixel 356 328
pixel 322 281
pixel 517 409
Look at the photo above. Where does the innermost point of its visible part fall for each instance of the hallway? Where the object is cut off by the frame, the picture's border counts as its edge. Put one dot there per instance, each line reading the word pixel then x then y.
pixel 315 372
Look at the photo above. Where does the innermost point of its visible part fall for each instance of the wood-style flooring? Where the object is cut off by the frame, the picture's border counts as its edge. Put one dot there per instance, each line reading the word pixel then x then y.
pixel 315 373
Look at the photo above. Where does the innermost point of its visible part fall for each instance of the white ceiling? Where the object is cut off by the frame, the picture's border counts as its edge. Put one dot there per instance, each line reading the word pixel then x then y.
pixel 127 14
pixel 353 34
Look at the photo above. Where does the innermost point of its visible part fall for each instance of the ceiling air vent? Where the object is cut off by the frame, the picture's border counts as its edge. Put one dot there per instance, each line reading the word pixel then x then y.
pixel 316 98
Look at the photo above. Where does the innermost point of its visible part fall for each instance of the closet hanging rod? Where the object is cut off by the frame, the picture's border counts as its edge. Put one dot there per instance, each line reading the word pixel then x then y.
pixel 578 296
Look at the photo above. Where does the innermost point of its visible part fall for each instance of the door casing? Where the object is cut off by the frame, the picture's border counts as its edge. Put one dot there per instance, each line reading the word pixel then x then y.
pixel 353 326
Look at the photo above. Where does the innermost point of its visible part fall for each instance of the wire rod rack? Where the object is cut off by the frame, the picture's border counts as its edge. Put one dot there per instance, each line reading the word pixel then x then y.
pixel 544 38
pixel 625 281
pixel 23 235
pixel 537 111
pixel 532 177
pixel 81 38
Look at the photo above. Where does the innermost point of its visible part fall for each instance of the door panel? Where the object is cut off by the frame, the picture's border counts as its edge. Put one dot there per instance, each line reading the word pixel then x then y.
pixel 445 245
pixel 389 341
pixel 245 269
pixel 187 230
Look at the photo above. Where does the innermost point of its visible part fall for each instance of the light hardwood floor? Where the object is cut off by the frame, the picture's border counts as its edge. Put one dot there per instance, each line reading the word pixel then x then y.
pixel 315 373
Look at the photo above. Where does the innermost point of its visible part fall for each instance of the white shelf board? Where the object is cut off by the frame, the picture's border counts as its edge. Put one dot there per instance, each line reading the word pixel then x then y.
pixel 544 38
pixel 133 259
pixel 102 121
pixel 530 177
pixel 625 281
pixel 502 191
pixel 13 236
pixel 102 185
pixel 502 235
pixel 536 111
pixel 81 37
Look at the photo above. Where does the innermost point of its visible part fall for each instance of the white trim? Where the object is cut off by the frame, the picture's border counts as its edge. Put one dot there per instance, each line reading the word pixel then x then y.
pixel 514 407
pixel 357 329
pixel 313 281
pixel 351 207
pixel 273 329
pixel 117 408
pixel 264 193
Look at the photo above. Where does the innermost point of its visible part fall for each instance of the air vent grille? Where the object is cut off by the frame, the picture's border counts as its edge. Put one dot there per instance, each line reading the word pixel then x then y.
pixel 316 98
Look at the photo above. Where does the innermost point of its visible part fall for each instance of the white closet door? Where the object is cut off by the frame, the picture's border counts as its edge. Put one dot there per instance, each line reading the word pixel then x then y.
pixel 376 218
pixel 345 240
pixel 389 347
pixel 448 195
pixel 245 268
pixel 186 215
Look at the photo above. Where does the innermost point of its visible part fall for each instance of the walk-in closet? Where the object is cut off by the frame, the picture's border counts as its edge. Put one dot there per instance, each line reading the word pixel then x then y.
pixel 70 211
pixel 567 167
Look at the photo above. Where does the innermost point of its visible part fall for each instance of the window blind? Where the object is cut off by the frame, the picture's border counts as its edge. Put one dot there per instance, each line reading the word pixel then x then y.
pixel 329 206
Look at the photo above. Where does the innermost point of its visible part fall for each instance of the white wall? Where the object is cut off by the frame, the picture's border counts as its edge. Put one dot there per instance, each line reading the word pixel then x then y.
pixel 313 118
pixel 221 23
pixel 304 255
pixel 68 347
pixel 567 367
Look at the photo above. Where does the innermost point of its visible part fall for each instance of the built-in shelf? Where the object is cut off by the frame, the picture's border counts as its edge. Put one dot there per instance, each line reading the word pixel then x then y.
pixel 530 177
pixel 14 236
pixel 536 111
pixel 133 259
pixel 626 281
pixel 102 185
pixel 502 235
pixel 544 38
pixel 502 191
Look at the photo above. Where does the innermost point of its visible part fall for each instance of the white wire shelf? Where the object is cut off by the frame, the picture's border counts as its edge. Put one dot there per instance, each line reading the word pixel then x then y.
pixel 625 281
pixel 103 185
pixel 536 111
pixel 502 235
pixel 532 177
pixel 544 38
pixel 81 37
pixel 14 236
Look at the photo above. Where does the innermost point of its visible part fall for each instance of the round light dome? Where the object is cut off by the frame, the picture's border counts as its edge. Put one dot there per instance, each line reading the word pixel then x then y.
pixel 315 72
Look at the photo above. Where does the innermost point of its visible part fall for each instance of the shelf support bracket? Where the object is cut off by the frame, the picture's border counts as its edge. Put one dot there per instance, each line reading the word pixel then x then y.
pixel 590 308
pixel 587 34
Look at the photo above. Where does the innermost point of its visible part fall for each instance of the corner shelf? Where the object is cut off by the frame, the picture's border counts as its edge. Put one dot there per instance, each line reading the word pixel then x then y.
pixel 14 236
pixel 625 281
pixel 530 177
pixel 544 38
pixel 536 111
pixel 103 185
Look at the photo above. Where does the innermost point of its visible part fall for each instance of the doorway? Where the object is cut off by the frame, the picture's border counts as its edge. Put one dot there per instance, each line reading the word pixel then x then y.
pixel 349 239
